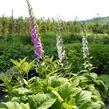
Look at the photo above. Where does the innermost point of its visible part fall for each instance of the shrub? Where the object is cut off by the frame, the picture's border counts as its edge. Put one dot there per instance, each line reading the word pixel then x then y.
pixel 100 58
pixel 15 51
pixel 74 55
pixel 79 91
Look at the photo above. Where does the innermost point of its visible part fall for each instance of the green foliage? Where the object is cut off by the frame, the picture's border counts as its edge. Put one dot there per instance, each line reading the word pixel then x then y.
pixel 14 47
pixel 98 48
pixel 65 96
pixel 23 67
pixel 70 37
pixel 80 91
pixel 105 79
pixel 14 105
pixel 17 76
pixel 49 43
pixel 48 67
pixel 100 58
pixel 41 101
pixel 14 51
pixel 75 57
pixel 98 53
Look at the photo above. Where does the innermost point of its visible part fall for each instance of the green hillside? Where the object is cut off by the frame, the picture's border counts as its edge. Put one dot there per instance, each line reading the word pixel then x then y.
pixel 102 20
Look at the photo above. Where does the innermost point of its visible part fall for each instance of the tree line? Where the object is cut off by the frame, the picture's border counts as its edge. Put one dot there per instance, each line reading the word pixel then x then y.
pixel 10 25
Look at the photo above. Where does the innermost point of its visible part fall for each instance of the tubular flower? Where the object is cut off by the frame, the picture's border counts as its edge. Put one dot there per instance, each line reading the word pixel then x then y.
pixel 59 45
pixel 34 34
pixel 87 64
pixel 85 47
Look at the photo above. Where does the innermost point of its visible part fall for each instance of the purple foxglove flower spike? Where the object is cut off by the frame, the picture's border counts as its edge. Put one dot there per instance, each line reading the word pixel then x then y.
pixel 34 34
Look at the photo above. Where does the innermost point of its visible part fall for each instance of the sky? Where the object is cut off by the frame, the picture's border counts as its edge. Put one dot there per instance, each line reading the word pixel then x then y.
pixel 67 9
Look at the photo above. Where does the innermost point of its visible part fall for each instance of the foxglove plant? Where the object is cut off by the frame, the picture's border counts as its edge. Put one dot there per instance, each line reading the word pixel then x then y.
pixel 87 64
pixel 34 34
pixel 59 44
pixel 85 47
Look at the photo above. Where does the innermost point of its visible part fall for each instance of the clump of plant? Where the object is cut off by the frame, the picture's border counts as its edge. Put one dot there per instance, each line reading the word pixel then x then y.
pixel 77 91
pixel 55 92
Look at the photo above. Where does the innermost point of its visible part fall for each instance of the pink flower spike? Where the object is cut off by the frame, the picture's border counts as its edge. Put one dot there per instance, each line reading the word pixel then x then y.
pixel 34 34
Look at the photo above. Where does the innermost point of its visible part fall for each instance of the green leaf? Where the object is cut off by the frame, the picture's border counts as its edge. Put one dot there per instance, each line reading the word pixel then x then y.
pixel 105 79
pixel 14 105
pixel 55 81
pixel 75 92
pixel 33 79
pixel 21 91
pixel 58 96
pixel 67 106
pixel 93 105
pixel 84 96
pixel 75 81
pixel 95 93
pixel 97 105
pixel 3 106
pixel 66 90
pixel 41 101
pixel 24 106
pixel 16 63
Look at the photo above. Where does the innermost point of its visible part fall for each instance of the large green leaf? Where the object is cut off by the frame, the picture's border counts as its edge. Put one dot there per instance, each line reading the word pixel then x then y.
pixel 55 81
pixel 41 101
pixel 14 105
pixel 57 96
pixel 93 105
pixel 84 97
pixel 95 93
pixel 21 91
pixel 3 106
pixel 105 79
pixel 75 81
pixel 67 89
pixel 97 105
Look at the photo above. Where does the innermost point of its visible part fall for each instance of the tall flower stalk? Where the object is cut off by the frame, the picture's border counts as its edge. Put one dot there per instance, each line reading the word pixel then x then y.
pixel 59 43
pixel 34 34
pixel 87 64
pixel 85 49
